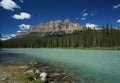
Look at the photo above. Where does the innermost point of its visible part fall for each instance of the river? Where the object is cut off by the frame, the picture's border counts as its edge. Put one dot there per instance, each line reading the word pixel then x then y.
pixel 95 66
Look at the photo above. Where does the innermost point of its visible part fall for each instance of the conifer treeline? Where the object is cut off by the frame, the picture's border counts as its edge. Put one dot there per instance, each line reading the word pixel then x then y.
pixel 107 37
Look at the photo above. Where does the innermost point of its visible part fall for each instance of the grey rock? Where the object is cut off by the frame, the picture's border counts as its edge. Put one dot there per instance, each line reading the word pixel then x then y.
pixel 29 72
pixel 4 77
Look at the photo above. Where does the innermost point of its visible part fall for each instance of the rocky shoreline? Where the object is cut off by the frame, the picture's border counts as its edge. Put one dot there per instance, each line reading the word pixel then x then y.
pixel 13 68
pixel 54 74
pixel 18 74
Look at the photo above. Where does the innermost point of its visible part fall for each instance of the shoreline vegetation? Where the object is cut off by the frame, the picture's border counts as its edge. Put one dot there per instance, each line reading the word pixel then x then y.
pixel 78 48
pixel 94 48
pixel 33 72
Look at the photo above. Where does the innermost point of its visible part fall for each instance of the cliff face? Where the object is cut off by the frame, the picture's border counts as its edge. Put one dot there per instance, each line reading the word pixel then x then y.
pixel 54 26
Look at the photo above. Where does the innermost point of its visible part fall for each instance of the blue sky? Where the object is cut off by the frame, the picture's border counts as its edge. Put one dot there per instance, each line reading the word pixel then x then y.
pixel 21 14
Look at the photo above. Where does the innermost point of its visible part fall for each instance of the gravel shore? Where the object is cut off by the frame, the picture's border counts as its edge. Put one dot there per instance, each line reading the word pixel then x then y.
pixel 13 69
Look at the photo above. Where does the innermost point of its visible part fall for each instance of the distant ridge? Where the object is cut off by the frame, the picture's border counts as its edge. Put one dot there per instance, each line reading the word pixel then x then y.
pixel 55 26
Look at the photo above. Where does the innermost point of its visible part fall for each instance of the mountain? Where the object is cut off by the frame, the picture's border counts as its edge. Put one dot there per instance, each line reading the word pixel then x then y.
pixel 55 34
pixel 53 27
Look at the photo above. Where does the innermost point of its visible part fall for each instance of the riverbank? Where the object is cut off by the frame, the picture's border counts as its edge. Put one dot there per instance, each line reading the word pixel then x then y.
pixel 89 66
pixel 79 48
pixel 17 74
pixel 93 48
pixel 11 74
pixel 13 69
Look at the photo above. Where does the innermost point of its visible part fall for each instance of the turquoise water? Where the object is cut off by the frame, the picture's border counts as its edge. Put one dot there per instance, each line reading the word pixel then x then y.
pixel 95 66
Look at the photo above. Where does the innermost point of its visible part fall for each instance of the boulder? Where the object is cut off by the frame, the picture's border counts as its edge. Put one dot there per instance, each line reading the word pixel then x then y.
pixel 29 72
pixel 43 75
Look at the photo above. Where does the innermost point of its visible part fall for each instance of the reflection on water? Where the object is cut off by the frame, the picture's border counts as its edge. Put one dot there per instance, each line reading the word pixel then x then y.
pixel 13 58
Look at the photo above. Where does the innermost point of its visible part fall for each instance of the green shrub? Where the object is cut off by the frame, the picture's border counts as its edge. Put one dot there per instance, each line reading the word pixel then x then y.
pixel 32 63
pixel 30 79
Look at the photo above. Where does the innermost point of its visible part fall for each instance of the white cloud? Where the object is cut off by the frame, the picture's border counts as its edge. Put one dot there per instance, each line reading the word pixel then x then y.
pixel 83 18
pixel 22 16
pixel 19 31
pixel 85 14
pixel 116 6
pixel 12 35
pixel 76 18
pixel 92 14
pixel 9 5
pixel 118 20
pixel 84 10
pixel 92 26
pixel 7 36
pixel 24 26
pixel 21 1
pixel 3 39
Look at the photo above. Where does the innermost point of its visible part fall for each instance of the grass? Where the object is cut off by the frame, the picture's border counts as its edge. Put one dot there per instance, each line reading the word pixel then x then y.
pixel 32 63
pixel 93 48
pixel 27 79
pixel 14 72
pixel 85 48
pixel 16 75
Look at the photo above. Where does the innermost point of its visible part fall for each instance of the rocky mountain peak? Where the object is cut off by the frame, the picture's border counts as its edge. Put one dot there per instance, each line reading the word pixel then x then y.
pixel 55 26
